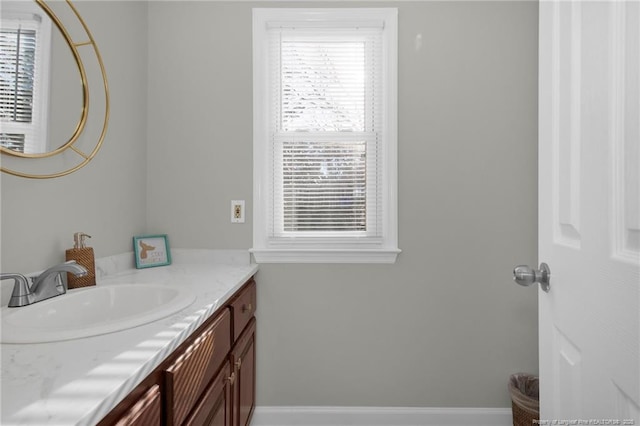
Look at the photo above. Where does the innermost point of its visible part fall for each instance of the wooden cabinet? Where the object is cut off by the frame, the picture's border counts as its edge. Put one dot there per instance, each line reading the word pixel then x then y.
pixel 145 412
pixel 243 354
pixel 190 374
pixel 215 406
pixel 243 307
pixel 243 357
pixel 208 380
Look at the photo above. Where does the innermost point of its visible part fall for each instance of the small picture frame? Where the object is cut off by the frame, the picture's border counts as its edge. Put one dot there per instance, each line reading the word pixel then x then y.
pixel 151 250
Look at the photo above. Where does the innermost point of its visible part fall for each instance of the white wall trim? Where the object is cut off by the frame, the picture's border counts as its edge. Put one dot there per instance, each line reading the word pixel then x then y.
pixel 380 416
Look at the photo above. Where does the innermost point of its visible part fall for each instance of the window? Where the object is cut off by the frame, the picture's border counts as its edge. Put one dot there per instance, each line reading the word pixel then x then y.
pixel 325 135
pixel 25 40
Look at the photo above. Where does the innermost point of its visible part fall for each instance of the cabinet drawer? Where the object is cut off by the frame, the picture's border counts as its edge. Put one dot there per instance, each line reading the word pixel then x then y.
pixel 194 368
pixel 145 412
pixel 243 307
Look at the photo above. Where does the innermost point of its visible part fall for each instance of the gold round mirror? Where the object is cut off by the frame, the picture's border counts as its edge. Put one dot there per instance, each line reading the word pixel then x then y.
pixel 50 66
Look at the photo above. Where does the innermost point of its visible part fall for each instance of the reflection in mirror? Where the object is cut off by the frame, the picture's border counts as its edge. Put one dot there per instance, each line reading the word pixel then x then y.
pixel 72 145
pixel 41 91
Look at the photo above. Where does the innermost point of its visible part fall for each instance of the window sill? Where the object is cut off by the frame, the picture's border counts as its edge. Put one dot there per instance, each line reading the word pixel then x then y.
pixel 325 255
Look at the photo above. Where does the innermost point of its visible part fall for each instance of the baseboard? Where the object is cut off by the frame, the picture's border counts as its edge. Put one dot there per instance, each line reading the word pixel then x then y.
pixel 380 416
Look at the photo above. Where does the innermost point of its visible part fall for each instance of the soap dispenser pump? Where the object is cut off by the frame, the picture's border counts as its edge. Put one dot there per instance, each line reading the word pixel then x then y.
pixel 83 255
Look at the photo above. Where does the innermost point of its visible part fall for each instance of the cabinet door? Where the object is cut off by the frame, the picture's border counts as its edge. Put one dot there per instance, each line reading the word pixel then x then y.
pixel 189 375
pixel 243 357
pixel 214 409
pixel 145 412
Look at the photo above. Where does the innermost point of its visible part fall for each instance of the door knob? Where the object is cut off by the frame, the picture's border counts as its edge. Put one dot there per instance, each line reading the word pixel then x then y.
pixel 526 276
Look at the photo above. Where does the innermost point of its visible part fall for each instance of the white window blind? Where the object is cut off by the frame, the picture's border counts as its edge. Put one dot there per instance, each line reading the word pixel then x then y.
pixel 324 131
pixel 24 56
pixel 326 117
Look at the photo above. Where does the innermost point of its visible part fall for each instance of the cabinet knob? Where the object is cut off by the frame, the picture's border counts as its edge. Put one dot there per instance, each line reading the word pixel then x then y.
pixel 247 308
pixel 232 378
pixel 239 363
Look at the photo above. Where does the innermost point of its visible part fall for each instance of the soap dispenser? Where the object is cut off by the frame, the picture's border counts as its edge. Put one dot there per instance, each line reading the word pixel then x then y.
pixel 83 255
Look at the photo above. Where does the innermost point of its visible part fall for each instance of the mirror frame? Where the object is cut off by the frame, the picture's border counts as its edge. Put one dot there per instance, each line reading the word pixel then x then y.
pixel 87 84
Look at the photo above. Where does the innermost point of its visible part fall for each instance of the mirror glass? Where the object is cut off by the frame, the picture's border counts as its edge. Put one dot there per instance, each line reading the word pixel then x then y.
pixel 41 91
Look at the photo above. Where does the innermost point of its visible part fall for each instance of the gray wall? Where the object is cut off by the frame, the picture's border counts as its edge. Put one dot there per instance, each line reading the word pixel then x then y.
pixel 444 326
pixel 105 199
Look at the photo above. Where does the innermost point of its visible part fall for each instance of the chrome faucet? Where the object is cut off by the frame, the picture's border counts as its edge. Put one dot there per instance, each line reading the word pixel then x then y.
pixel 50 283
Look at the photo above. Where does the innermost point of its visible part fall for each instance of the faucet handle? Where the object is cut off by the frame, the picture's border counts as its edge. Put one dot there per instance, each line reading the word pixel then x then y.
pixel 22 294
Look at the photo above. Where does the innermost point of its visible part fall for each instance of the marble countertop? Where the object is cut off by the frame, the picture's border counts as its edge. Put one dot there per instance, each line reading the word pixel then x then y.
pixel 77 382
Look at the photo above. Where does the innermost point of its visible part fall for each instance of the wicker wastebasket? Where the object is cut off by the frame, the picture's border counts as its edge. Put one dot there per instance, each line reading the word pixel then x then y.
pixel 525 398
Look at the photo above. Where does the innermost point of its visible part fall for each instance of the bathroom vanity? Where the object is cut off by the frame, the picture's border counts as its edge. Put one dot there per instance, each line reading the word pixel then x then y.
pixel 208 380
pixel 194 367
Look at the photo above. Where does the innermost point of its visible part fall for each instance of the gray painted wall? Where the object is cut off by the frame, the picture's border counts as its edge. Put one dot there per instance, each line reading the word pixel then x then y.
pixel 444 326
pixel 105 199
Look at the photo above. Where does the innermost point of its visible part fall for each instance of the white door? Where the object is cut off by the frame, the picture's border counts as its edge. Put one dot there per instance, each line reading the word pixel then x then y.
pixel 589 214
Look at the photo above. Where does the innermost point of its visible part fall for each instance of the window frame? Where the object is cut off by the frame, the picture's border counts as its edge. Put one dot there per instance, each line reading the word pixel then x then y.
pixel 323 247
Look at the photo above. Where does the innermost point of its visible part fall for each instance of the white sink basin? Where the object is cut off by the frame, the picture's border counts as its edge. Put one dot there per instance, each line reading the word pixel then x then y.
pixel 92 311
